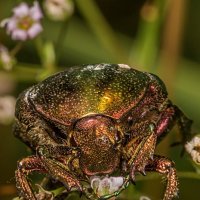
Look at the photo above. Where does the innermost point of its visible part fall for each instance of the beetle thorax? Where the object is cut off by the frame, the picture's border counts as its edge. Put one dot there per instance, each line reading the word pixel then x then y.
pixel 96 137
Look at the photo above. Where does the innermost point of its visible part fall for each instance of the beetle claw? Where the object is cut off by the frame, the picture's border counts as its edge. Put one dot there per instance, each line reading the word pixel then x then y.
pixel 79 190
pixel 76 187
pixel 80 193
pixel 151 156
pixel 143 172
pixel 133 182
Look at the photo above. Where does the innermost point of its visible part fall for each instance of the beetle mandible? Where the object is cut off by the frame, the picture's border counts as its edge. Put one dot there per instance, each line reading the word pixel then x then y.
pixel 96 120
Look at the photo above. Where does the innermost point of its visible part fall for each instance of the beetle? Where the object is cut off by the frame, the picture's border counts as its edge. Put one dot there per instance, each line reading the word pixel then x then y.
pixel 96 120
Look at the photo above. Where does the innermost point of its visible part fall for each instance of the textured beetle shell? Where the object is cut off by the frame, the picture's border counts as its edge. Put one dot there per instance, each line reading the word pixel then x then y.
pixel 103 89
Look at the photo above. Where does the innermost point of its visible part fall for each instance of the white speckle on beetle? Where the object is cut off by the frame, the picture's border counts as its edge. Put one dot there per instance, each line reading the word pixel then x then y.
pixel 124 66
pixel 94 67
pixel 99 67
pixel 88 67
pixel 78 76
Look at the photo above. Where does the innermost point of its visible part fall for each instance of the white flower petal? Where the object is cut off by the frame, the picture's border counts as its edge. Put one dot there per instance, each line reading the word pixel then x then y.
pixel 106 182
pixel 192 148
pixel 117 181
pixel 188 147
pixel 196 141
pixel 11 25
pixel 193 154
pixel 106 185
pixel 19 35
pixel 4 22
pixel 35 11
pixel 21 10
pixel 95 181
pixel 34 30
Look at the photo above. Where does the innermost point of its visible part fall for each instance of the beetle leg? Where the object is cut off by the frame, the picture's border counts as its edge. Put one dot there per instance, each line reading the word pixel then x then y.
pixel 26 166
pixel 46 163
pixel 171 115
pixel 139 150
pixel 184 125
pixel 56 151
pixel 165 166
pixel 58 164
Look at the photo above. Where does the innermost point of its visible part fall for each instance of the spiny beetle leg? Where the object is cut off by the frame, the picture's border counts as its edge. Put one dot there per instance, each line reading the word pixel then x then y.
pixel 26 166
pixel 165 166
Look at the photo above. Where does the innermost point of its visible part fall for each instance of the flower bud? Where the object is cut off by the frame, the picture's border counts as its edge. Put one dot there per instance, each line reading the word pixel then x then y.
pixel 6 61
pixel 58 10
pixel 193 149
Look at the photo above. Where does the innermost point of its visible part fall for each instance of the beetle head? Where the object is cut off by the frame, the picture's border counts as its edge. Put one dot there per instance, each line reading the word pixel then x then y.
pixel 97 138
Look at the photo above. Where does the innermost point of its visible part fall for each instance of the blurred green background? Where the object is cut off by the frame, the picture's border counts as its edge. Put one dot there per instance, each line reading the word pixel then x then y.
pixel 158 36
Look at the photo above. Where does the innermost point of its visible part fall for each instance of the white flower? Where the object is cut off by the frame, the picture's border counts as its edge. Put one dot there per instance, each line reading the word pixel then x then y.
pixel 6 61
pixel 59 9
pixel 25 22
pixel 7 109
pixel 193 148
pixel 107 185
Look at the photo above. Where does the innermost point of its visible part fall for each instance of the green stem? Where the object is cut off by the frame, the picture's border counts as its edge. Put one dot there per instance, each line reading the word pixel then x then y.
pixel 61 38
pixel 16 49
pixel 58 191
pixel 189 175
pixel 39 47
pixel 103 30
pixel 46 51
pixel 145 48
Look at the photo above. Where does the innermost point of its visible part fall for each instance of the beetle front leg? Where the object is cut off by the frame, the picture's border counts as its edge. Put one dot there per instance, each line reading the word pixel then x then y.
pixel 57 169
pixel 184 125
pixel 25 167
pixel 165 166
pixel 57 161
pixel 140 149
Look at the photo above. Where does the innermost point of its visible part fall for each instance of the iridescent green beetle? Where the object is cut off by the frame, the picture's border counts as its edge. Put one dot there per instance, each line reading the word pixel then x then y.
pixel 96 120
